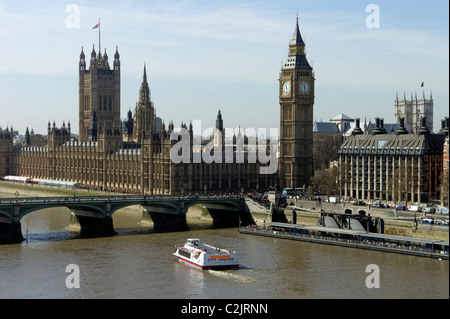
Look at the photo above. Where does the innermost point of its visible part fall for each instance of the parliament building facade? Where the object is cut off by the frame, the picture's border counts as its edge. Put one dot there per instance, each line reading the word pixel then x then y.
pixel 134 155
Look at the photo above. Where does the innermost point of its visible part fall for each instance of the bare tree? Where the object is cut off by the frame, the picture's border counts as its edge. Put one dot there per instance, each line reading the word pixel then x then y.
pixel 327 181
pixel 325 149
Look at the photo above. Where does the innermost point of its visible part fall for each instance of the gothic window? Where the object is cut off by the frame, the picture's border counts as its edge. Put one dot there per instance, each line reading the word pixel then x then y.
pixel 110 103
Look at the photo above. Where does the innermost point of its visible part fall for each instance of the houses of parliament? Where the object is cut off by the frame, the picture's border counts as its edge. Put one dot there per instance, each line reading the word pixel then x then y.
pixel 134 155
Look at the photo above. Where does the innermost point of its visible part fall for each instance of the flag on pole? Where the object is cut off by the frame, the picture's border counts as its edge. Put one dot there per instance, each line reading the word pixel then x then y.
pixel 421 85
pixel 97 26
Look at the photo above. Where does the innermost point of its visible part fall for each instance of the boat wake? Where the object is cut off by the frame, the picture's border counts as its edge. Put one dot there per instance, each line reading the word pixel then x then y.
pixel 235 275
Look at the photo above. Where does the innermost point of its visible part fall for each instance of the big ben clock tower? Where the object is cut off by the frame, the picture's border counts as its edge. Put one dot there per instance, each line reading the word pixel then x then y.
pixel 296 91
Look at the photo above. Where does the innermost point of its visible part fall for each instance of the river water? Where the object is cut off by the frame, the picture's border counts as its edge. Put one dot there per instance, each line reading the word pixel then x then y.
pixel 137 263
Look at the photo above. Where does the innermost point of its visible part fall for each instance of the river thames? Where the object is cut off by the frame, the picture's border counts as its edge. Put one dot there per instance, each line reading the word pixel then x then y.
pixel 137 263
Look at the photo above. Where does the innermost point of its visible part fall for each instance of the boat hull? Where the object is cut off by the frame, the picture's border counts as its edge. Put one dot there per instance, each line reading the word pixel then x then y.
pixel 206 267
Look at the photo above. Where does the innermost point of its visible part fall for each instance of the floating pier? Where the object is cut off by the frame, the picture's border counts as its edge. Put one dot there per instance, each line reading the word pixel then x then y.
pixel 422 247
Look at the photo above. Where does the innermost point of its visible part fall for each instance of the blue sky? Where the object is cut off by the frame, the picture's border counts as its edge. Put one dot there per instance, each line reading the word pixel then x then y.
pixel 203 56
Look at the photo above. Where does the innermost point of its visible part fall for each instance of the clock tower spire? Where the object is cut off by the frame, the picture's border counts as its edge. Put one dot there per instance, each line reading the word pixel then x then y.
pixel 296 97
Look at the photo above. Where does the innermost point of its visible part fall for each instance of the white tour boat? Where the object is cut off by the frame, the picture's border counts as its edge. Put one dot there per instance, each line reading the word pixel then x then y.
pixel 203 256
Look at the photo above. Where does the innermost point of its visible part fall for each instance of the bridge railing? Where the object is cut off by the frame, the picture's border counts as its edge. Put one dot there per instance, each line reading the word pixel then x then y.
pixel 58 199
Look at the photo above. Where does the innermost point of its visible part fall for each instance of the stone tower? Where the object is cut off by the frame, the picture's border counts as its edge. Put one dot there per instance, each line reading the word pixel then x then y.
pixel 99 92
pixel 296 96
pixel 413 110
pixel 144 121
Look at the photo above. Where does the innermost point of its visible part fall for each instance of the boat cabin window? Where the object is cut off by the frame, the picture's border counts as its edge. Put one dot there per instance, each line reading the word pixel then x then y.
pixel 184 253
pixel 193 242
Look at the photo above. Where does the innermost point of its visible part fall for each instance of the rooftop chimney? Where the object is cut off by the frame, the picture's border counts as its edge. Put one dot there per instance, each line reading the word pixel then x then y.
pixel 357 129
pixel 423 127
pixel 401 129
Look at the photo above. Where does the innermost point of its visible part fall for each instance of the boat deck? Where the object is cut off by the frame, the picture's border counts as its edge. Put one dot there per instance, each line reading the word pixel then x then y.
pixel 209 249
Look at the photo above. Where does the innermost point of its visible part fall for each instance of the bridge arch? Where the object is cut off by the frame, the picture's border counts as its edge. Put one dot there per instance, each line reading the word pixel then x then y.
pixel 5 216
pixel 95 214
pixel 224 212
pixel 29 210
pixel 232 205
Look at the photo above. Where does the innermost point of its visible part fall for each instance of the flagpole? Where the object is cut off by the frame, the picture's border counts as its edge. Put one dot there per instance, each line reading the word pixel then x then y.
pixel 99 26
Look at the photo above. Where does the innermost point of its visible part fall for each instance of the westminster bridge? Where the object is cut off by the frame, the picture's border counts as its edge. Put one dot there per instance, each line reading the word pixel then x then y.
pixel 95 213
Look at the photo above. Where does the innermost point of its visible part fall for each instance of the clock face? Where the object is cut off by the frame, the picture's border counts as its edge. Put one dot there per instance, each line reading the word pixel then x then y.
pixel 286 88
pixel 304 87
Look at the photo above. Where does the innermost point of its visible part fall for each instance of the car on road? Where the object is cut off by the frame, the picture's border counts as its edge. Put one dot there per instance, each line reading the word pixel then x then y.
pixel 359 203
pixel 400 207
pixel 379 205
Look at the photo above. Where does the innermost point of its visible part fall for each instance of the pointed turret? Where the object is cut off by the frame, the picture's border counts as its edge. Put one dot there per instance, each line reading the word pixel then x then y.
pixel 117 59
pixel 144 75
pixel 82 63
pixel 99 56
pixel 105 60
pixel 219 122
pixel 27 138
pixel 144 92
pixel 82 57
pixel 297 37
pixel 144 125
pixel 93 57
pixel 297 56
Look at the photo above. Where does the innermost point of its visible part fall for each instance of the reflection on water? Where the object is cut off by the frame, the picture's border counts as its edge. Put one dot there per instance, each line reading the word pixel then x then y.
pixel 138 263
